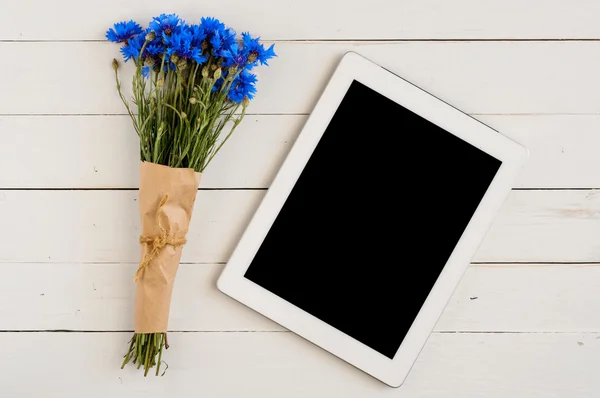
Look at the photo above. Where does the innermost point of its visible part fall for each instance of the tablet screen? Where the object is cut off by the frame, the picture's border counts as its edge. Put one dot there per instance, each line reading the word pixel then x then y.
pixel 372 219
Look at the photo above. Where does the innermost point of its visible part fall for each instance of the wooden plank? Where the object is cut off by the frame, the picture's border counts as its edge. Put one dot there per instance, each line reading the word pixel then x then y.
pixel 105 150
pixel 525 298
pixel 103 226
pixel 377 19
pixel 100 297
pixel 562 148
pixel 559 226
pixel 477 77
pixel 274 365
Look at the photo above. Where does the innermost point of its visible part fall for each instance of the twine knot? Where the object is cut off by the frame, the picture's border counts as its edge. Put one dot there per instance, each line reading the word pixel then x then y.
pixel 157 243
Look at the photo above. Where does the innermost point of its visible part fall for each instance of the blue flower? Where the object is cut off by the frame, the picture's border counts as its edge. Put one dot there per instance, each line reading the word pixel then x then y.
pixel 123 31
pixel 132 48
pixel 234 56
pixel 210 24
pixel 215 40
pixel 256 51
pixel 165 24
pixel 181 45
pixel 155 50
pixel 217 34
pixel 198 34
pixel 146 71
pixel 247 54
pixel 243 86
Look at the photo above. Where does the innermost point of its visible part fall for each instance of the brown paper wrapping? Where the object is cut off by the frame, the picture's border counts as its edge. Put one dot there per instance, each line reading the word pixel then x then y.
pixel 155 284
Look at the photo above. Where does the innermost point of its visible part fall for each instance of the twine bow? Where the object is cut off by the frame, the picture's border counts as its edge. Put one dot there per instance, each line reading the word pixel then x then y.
pixel 157 243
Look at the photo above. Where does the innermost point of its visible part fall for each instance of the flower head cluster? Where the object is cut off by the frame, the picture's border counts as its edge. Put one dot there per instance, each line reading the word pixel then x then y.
pixel 171 45
pixel 122 32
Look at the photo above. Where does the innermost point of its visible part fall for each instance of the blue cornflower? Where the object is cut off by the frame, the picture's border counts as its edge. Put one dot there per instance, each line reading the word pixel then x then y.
pixel 156 46
pixel 198 34
pixel 243 86
pixel 256 51
pixel 165 24
pixel 210 24
pixel 146 71
pixel 227 41
pixel 133 48
pixel 215 40
pixel 234 56
pixel 156 50
pixel 217 34
pixel 123 31
pixel 222 41
pixel 181 44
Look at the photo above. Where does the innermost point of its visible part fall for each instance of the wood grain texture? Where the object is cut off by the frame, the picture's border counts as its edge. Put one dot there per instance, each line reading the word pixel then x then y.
pixel 99 297
pixel 312 19
pixel 476 77
pixel 105 150
pixel 275 365
pixel 67 256
pixel 525 298
pixel 103 226
pixel 523 230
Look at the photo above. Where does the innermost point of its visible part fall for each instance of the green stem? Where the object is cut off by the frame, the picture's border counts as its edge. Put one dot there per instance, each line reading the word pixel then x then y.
pixel 128 355
pixel 125 102
pixel 160 344
pixel 235 124
pixel 146 349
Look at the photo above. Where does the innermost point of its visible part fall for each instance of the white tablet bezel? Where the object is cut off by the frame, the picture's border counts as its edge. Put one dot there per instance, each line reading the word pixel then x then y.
pixel 233 283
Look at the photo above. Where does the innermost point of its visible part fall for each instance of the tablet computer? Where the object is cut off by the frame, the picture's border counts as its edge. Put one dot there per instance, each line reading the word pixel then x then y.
pixel 372 219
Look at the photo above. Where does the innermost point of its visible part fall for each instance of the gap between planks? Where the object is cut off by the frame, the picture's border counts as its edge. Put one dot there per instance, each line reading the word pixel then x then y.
pixel 474 114
pixel 477 264
pixel 120 189
pixel 285 331
pixel 241 189
pixel 341 41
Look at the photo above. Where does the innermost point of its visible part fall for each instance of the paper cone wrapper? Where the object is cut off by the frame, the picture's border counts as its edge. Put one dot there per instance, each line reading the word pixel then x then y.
pixel 155 283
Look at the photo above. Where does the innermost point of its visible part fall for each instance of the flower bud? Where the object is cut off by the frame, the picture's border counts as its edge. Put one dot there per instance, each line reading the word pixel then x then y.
pixel 150 36
pixel 183 115
pixel 204 45
pixel 193 101
pixel 160 82
pixel 115 64
pixel 245 102
pixel 252 57
pixel 205 72
pixel 182 64
pixel 175 58
pixel 217 74
pixel 232 70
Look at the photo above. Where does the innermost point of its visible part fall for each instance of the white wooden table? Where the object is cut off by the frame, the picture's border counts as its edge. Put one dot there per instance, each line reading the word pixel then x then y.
pixel 525 320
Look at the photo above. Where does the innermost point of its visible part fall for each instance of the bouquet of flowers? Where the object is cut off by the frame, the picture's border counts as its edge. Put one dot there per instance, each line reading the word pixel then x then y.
pixel 189 83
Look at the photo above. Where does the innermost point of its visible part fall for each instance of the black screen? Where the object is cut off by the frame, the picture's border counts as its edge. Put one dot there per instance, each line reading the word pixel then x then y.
pixel 372 220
